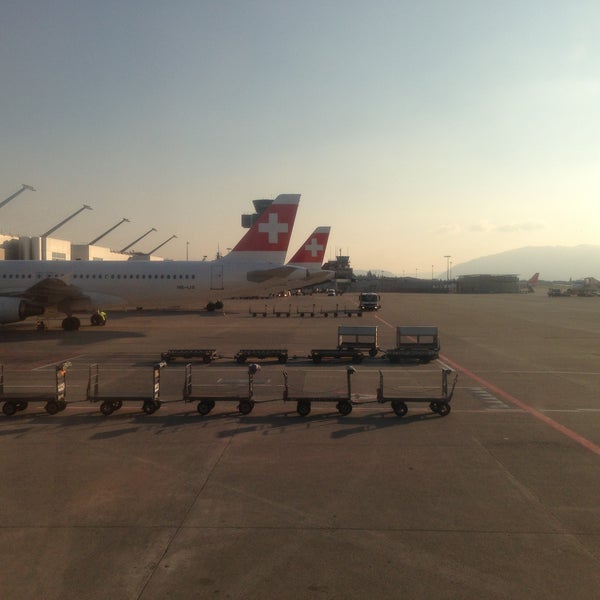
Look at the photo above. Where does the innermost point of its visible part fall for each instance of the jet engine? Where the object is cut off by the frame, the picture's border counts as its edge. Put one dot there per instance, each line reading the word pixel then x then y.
pixel 17 309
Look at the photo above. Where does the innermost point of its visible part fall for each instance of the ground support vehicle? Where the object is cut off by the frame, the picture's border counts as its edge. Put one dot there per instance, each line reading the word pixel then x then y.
pixel 318 354
pixel 55 401
pixel 437 404
pixel 281 354
pixel 255 313
pixel 110 403
pixel 207 403
pixel 207 355
pixel 344 311
pixel 355 338
pixel 369 301
pixel 351 342
pixel 304 403
pixel 420 344
pixel 283 313
pixel 302 313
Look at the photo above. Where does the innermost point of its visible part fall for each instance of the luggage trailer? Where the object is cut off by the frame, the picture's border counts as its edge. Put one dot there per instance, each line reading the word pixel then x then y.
pixel 55 401
pixel 206 355
pixel 207 403
pixel 112 402
pixel 304 403
pixel 437 404
pixel 351 343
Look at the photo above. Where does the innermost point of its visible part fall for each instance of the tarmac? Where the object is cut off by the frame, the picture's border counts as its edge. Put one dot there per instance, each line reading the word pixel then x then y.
pixel 498 499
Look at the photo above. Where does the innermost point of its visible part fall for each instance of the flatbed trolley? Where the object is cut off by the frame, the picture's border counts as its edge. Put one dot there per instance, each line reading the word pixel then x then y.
pixel 207 355
pixel 304 403
pixel 112 402
pixel 207 403
pixel 437 404
pixel 55 401
pixel 318 354
pixel 281 354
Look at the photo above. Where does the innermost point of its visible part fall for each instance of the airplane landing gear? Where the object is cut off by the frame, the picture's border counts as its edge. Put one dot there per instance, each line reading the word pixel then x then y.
pixel 98 319
pixel 71 324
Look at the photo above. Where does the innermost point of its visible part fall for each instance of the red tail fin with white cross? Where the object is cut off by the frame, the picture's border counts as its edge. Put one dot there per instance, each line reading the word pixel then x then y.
pixel 311 254
pixel 269 237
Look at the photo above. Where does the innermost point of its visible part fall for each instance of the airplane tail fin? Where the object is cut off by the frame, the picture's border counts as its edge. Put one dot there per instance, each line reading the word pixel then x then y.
pixel 533 279
pixel 269 237
pixel 311 254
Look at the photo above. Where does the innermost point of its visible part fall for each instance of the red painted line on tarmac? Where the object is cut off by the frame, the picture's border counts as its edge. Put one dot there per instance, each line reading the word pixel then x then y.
pixel 584 442
pixel 587 444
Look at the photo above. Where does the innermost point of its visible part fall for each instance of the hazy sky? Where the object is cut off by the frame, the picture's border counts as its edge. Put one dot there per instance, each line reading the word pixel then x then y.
pixel 415 129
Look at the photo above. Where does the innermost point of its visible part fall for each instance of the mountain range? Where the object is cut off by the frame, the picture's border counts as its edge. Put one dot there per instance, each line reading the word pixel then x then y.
pixel 554 263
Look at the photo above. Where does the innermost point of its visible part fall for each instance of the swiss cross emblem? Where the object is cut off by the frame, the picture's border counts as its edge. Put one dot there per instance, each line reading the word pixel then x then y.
pixel 313 247
pixel 273 227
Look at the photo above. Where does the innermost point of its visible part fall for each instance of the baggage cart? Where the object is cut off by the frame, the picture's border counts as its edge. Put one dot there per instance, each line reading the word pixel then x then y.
pixel 206 403
pixel 437 404
pixel 304 403
pixel 112 402
pixel 415 344
pixel 206 355
pixel 55 400
pixel 281 354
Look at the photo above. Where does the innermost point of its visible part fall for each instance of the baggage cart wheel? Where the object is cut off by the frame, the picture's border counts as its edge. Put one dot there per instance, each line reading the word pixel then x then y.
pixel 344 407
pixel 52 407
pixel 150 407
pixel 61 405
pixel 204 407
pixel 357 358
pixel 434 407
pixel 303 408
pixel 117 404
pixel 106 408
pixel 443 409
pixel 206 359
pixel 245 406
pixel 241 359
pixel 282 359
pixel 373 352
pixel 399 407
pixel 316 358
pixel 9 409
pixel 22 404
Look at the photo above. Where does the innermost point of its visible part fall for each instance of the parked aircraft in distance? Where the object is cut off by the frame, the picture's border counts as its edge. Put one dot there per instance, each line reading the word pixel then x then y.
pixel 310 257
pixel 256 264
pixel 529 285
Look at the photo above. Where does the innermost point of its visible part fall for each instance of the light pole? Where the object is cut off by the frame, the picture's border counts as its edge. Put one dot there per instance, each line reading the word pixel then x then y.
pixel 447 257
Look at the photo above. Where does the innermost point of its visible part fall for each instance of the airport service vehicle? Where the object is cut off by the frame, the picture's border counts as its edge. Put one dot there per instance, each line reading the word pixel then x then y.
pixel 55 401
pixel 415 343
pixel 369 301
pixel 256 264
pixel 207 403
pixel 112 402
pixel 437 404
pixel 207 355
pixel 304 403
pixel 281 354
pixel 351 343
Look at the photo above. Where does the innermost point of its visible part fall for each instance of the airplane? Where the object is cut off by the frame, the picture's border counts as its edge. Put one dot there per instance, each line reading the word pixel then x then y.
pixel 309 258
pixel 527 287
pixel 256 263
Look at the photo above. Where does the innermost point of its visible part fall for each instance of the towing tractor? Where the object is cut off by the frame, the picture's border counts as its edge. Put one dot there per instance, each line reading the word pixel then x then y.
pixel 369 301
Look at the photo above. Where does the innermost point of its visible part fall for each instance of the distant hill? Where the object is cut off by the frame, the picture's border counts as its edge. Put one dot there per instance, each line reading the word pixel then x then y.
pixel 554 263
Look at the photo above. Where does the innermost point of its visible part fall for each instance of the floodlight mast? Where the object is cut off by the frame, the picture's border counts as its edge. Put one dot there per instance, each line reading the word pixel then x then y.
pixel 50 231
pixel 140 238
pixel 24 187
pixel 123 220
pixel 161 245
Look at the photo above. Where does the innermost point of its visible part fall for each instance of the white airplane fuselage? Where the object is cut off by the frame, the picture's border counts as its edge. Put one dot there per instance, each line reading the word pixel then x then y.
pixel 125 284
